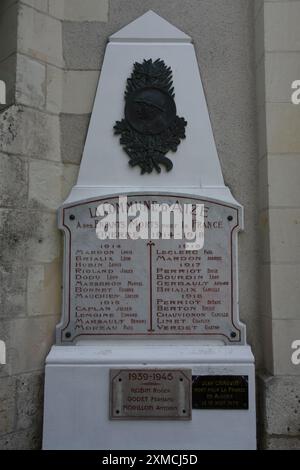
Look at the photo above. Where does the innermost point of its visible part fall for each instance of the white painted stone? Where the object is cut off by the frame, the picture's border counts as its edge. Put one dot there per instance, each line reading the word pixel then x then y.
pixel 196 163
pixel 83 370
pixel 77 398
pixel 150 27
pixel 78 10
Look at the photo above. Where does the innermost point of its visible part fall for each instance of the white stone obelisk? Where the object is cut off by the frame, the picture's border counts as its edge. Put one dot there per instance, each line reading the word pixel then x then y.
pixel 77 376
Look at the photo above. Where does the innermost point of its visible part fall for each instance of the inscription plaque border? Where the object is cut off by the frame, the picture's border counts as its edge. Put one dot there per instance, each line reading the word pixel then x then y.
pixel 63 325
pixel 186 385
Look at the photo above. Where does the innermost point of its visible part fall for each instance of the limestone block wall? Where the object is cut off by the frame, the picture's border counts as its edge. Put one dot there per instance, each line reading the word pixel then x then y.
pixel 49 108
pixel 277 66
pixel 59 51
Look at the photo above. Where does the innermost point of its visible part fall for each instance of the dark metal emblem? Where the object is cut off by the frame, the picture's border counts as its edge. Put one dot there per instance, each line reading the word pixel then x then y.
pixel 151 127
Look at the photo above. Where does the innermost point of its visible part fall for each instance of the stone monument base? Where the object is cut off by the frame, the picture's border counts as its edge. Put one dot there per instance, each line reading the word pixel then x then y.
pixel 77 385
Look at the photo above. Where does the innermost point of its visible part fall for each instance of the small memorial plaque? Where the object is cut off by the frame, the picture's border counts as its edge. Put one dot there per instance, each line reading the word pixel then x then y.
pixel 150 394
pixel 220 392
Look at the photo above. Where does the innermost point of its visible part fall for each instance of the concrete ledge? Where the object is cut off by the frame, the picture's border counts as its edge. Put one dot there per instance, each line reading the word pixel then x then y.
pixel 119 352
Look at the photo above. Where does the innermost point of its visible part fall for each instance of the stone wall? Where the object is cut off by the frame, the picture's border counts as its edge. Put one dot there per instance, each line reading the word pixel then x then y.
pixel 59 50
pixel 277 66
pixel 50 108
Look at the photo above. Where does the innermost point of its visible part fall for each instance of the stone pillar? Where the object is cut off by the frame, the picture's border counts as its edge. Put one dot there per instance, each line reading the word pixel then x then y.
pixel 48 106
pixel 277 66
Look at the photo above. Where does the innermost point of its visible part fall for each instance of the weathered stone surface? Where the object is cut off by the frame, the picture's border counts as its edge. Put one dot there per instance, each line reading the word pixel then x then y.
pixel 282 443
pixel 70 174
pixel 285 285
pixel 283 168
pixel 70 91
pixel 45 182
pixel 39 36
pixel 282 31
pixel 55 79
pixel 76 10
pixel 284 235
pixel 257 6
pixel 30 132
pixel 284 332
pixel 7 404
pixel 30 439
pixel 73 129
pixel 281 398
pixel 13 281
pixel 259 35
pixel 283 128
pixel 44 289
pixel 79 88
pixel 38 4
pixel 281 69
pixel 46 245
pixel 83 44
pixel 29 341
pixel 30 82
pixel 29 236
pixel 13 181
pixel 29 400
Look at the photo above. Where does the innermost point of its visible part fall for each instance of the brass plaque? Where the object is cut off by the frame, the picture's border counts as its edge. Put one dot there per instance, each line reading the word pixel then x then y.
pixel 151 394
